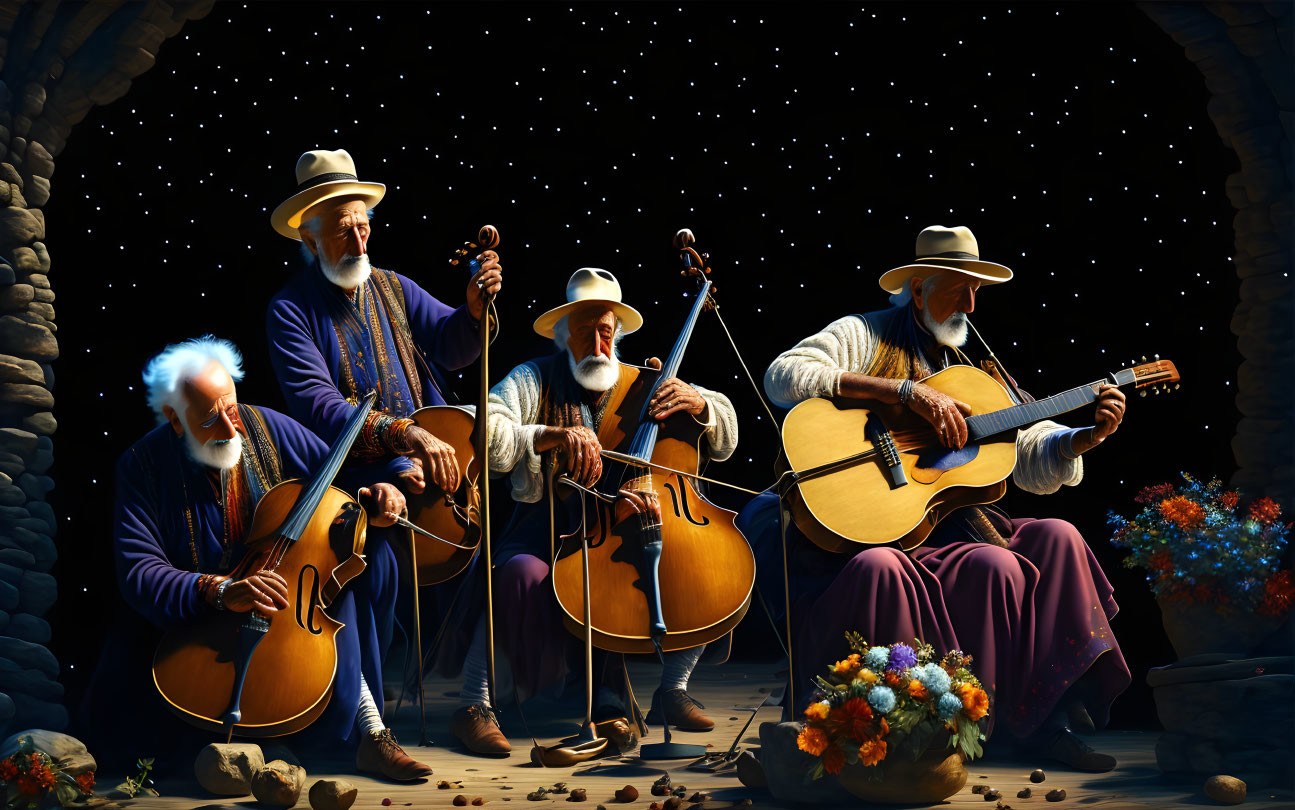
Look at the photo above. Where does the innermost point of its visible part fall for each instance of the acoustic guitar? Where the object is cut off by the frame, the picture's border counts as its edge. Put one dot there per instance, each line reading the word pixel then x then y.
pixel 880 475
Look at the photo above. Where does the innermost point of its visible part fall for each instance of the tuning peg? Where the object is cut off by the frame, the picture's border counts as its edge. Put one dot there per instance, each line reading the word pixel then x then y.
pixel 1142 393
pixel 1157 391
pixel 1155 357
pixel 1176 386
pixel 454 262
pixel 1144 358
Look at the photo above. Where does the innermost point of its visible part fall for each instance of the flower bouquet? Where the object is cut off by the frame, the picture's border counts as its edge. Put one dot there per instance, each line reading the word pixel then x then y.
pixel 30 779
pixel 1210 560
pixel 890 705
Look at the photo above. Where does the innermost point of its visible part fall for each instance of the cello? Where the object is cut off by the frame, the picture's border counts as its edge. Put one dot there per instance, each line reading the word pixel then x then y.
pixel 691 582
pixel 269 675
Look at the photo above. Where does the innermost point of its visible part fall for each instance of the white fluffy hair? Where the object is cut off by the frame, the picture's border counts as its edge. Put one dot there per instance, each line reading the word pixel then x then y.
pixel 905 295
pixel 165 373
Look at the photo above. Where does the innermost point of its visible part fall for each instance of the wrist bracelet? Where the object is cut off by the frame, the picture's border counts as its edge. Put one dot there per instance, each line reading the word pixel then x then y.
pixel 219 599
pixel 905 392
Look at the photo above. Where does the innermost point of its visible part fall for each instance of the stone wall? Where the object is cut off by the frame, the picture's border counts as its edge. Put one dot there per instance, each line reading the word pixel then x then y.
pixel 1243 50
pixel 57 61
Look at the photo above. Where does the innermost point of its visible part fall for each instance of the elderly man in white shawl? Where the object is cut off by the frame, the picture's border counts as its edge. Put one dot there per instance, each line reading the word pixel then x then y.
pixel 555 405
pixel 1026 598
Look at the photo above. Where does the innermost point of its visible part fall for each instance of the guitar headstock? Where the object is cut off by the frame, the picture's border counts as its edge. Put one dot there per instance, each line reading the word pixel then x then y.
pixel 1153 375
pixel 693 264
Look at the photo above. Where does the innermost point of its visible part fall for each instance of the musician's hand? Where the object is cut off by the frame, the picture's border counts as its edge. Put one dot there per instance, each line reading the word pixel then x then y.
pixel 639 501
pixel 486 281
pixel 946 414
pixel 265 591
pixel 583 452
pixel 675 395
pixel 437 458
pixel 412 479
pixel 386 504
pixel 1110 412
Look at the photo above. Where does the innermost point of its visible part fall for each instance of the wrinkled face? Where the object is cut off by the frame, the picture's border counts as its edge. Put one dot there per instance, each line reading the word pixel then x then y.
pixel 211 415
pixel 950 292
pixel 591 330
pixel 343 232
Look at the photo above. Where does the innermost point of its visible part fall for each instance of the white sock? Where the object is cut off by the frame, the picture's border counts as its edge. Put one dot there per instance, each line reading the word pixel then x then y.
pixel 679 665
pixel 367 718
pixel 476 680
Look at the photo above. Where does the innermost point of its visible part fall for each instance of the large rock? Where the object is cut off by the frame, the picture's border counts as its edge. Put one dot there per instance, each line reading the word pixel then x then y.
pixel 19 226
pixel 17 441
pixel 19 369
pixel 26 655
pixel 30 628
pixel 26 261
pixel 38 593
pixel 44 512
pixel 1225 789
pixel 29 683
pixel 17 557
pixel 15 298
pixel 332 794
pixel 26 395
pixel 68 752
pixel 28 339
pixel 43 423
pixel 278 784
pixel 36 486
pixel 227 769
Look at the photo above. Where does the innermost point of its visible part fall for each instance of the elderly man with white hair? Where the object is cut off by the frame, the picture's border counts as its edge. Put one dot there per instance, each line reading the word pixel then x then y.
pixel 186 494
pixel 553 407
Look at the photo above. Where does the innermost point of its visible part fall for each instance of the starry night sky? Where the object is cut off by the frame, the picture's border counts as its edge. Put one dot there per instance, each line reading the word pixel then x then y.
pixel 805 146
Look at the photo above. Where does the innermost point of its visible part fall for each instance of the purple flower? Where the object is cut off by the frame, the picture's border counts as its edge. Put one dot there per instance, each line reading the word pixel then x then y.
pixel 901 657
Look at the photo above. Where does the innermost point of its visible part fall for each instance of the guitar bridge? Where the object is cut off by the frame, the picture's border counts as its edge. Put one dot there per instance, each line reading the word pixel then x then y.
pixel 889 453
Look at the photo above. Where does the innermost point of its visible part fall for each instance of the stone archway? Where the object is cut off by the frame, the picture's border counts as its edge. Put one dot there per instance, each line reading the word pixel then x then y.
pixel 1243 50
pixel 57 61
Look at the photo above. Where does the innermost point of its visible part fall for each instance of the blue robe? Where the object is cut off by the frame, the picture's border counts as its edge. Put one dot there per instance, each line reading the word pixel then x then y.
pixel 156 574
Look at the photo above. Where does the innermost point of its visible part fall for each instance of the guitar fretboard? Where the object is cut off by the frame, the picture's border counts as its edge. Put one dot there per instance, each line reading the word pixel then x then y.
pixel 985 425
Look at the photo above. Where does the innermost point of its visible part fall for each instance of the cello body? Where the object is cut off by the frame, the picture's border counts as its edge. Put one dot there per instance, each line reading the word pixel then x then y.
pixel 707 569
pixel 438 562
pixel 289 681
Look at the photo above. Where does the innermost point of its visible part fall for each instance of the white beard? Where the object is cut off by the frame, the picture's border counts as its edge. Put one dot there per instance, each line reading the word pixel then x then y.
pixel 349 272
pixel 594 373
pixel 219 455
pixel 953 332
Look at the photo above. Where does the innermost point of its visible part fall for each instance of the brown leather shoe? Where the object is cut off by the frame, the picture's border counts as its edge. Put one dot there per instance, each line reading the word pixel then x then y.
pixel 381 755
pixel 478 730
pixel 681 710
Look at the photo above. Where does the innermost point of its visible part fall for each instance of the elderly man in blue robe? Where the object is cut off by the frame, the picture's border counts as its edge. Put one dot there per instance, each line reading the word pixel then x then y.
pixel 186 493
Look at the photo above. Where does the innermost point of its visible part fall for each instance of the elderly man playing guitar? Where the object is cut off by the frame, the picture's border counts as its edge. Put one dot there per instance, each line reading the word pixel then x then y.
pixel 1026 598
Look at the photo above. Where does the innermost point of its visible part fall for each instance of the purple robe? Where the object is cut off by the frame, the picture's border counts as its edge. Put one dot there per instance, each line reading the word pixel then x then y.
pixel 154 553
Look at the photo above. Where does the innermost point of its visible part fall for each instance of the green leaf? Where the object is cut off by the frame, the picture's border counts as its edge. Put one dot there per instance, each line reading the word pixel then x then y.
pixel 818 771
pixel 151 792
pixel 67 794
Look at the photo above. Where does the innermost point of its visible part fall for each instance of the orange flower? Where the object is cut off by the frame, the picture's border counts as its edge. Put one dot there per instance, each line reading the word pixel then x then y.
pixel 1279 593
pixel 1161 561
pixel 817 711
pixel 885 727
pixel 872 752
pixel 916 690
pixel 867 676
pixel 811 740
pixel 1265 510
pixel 849 666
pixel 833 760
pixel 1184 512
pixel 892 678
pixel 37 778
pixel 1228 500
pixel 8 770
pixel 974 701
pixel 85 781
pixel 853 717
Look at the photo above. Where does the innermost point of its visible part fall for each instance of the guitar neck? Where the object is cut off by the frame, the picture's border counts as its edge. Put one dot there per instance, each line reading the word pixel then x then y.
pixel 984 425
pixel 295 523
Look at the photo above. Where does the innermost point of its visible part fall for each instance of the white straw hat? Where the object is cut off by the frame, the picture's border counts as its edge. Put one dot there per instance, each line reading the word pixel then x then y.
pixel 590 284
pixel 322 175
pixel 941 248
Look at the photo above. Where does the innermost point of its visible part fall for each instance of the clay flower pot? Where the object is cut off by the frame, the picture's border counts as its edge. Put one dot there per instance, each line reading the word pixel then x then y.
pixel 1194 628
pixel 933 777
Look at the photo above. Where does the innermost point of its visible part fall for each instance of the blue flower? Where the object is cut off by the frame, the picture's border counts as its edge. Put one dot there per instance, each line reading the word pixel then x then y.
pixel 881 698
pixel 949 706
pixel 876 659
pixel 934 678
pixel 901 657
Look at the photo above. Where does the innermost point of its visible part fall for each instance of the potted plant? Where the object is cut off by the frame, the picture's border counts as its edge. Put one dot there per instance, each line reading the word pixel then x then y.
pixel 1213 562
pixel 893 724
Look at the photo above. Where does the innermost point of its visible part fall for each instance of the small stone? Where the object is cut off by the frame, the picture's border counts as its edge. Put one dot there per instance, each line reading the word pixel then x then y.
pixel 278 784
pixel 386 802
pixel 698 797
pixel 559 787
pixel 1024 793
pixel 680 791
pixel 443 785
pixel 1225 789
pixel 460 800
pixel 654 806
pixel 1056 795
pixel 1037 775
pixel 661 787
pixel 672 803
pixel 578 795
pixel 478 801
pixel 979 789
pixel 992 795
pixel 538 794
pixel 332 794
pixel 1001 806
pixel 629 793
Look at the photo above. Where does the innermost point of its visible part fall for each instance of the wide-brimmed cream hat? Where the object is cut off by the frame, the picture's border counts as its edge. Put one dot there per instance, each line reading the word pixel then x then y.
pixel 322 175
pixel 941 248
pixel 591 285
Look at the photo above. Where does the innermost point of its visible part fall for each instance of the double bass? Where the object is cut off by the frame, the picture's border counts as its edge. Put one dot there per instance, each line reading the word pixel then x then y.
pixel 691 582
pixel 266 675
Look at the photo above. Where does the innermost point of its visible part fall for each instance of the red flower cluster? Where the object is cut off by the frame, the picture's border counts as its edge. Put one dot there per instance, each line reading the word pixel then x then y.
pixel 1156 492
pixel 1279 594
pixel 1265 510
pixel 1184 512
pixel 1228 500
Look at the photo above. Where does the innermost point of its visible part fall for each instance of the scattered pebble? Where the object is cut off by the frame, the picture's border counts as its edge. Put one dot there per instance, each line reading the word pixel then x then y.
pixel 460 800
pixel 698 797
pixel 661 787
pixel 1056 795
pixel 1037 775
pixel 559 787
pixel 628 793
pixel 978 789
pixel 1024 793
pixel 672 803
pixel 442 785
pixel 386 802
pixel 538 794
pixel 1225 789
pixel 1002 806
pixel 478 802
pixel 654 806
pixel 992 795
pixel 680 791
pixel 578 795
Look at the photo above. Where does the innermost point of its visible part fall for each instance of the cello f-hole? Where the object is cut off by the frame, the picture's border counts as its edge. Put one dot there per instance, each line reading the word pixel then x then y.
pixel 682 498
pixel 307 605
